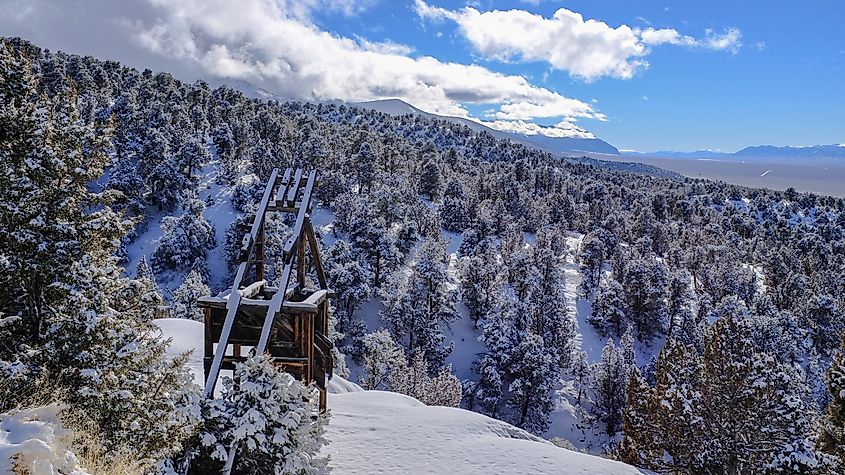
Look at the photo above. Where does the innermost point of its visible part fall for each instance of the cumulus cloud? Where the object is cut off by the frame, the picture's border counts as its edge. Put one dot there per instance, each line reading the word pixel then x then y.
pixel 561 129
pixel 588 49
pixel 276 45
pixel 267 43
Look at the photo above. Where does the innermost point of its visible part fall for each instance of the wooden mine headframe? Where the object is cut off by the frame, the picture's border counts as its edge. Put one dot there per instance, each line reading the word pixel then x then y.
pixel 289 322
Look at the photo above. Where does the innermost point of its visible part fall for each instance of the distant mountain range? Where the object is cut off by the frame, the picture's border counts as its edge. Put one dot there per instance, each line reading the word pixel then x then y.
pixel 542 142
pixel 760 151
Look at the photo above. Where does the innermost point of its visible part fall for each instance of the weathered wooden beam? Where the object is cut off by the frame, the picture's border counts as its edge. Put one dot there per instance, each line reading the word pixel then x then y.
pixel 283 189
pixel 315 253
pixel 253 289
pixel 234 296
pixel 304 209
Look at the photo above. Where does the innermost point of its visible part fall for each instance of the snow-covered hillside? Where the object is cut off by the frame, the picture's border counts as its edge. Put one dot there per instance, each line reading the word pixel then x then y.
pixel 382 432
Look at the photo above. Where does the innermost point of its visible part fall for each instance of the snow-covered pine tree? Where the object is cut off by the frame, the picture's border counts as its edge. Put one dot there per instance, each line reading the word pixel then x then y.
pixel 486 393
pixel 547 301
pixel 430 180
pixel 185 238
pixel 381 357
pixel 369 234
pixel 535 373
pixel 481 280
pixel 150 294
pixel 591 259
pixel 645 290
pixel 271 417
pixel 453 211
pixel 417 303
pixel 124 177
pixel 609 386
pixel 83 324
pixel 754 405
pixel 348 277
pixel 832 434
pixel 184 302
pixel 192 156
pixel 734 409
pixel 608 316
pixel 660 423
pixel 48 159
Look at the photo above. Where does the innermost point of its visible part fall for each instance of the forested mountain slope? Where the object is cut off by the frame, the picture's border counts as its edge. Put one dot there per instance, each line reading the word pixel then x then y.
pixel 676 324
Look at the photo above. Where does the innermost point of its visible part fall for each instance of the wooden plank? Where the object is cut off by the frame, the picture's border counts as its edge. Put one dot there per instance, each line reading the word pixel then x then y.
pixel 304 209
pixel 257 223
pixel 283 189
pixel 253 289
pixel 294 188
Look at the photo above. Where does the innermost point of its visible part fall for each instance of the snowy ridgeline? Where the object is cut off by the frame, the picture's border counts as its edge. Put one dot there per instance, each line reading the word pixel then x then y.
pixel 383 432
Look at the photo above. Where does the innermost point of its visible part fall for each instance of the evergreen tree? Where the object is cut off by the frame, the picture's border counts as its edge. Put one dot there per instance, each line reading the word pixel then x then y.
pixel 419 302
pixel 487 392
pixel 271 417
pixel 51 219
pixel 381 357
pixel 608 316
pixel 480 280
pixel 348 277
pixel 430 180
pixel 609 383
pixel 185 238
pixel 453 211
pixel 734 410
pixel 413 380
pixel 184 304
pixel 832 434
pixel 150 294
pixel 534 376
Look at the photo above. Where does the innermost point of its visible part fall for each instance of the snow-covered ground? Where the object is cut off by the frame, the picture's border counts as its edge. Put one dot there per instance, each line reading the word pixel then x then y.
pixel 374 432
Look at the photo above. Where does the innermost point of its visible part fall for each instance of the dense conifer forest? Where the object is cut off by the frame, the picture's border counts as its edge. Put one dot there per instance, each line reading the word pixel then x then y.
pixel 722 306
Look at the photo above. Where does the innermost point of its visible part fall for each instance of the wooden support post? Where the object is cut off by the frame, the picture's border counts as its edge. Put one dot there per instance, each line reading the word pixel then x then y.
pixel 208 351
pixel 300 260
pixel 315 253
pixel 259 251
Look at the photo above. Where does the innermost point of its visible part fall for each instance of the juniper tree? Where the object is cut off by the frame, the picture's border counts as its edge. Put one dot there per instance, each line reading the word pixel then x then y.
pixel 486 394
pixel 453 211
pixel 609 382
pixel 185 238
pixel 150 294
pixel 184 302
pixel 443 389
pixel 270 417
pixel 51 219
pixel 534 373
pixel 381 357
pixel 419 302
pixel 430 180
pixel 832 434
pixel 608 316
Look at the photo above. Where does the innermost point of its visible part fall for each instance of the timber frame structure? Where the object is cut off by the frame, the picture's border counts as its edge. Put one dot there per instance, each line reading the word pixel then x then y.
pixel 288 322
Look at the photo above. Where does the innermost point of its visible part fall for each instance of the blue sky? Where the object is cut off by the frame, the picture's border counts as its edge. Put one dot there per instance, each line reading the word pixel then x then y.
pixel 642 75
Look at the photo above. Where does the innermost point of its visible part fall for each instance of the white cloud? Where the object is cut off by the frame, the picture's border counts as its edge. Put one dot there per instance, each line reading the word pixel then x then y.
pixel 588 49
pixel 273 45
pixel 561 129
pixel 276 45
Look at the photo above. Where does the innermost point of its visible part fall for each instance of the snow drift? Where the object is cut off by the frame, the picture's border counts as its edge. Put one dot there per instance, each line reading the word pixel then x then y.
pixel 384 432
